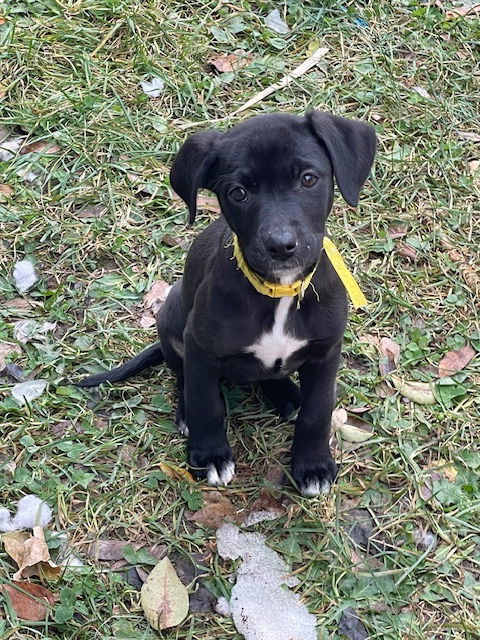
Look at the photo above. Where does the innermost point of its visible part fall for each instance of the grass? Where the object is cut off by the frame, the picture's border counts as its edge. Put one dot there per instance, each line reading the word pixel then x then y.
pixel 71 77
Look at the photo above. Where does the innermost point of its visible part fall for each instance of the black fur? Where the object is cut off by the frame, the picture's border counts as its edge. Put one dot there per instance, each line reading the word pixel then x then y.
pixel 214 314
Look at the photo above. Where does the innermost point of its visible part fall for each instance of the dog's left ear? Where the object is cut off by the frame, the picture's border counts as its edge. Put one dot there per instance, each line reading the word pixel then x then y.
pixel 351 146
pixel 190 169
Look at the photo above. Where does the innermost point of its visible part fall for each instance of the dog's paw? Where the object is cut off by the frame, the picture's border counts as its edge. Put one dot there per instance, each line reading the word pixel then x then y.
pixel 314 476
pixel 217 467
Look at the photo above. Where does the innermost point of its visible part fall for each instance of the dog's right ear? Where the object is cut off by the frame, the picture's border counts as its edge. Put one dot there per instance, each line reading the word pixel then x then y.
pixel 190 169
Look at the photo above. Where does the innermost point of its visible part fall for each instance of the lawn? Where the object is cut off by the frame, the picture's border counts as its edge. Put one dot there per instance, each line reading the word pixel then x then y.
pixel 85 196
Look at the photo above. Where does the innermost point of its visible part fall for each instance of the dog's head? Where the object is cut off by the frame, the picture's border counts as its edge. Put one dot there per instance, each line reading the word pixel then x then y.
pixel 273 176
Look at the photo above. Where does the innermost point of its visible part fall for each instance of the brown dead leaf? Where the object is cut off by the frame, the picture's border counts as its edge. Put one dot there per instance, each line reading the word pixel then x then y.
pixel 369 338
pixel 92 211
pixel 172 471
pixel 268 501
pixel 7 349
pixel 467 263
pixel 398 231
pixel 462 12
pixel 110 549
pixel 18 303
pixel 406 251
pixel 231 61
pixel 455 361
pixel 5 191
pixel 170 240
pixel 32 605
pixel 152 301
pixel 208 203
pixel 41 146
pixel 31 554
pixel 217 509
pixel 390 354
pixel 383 390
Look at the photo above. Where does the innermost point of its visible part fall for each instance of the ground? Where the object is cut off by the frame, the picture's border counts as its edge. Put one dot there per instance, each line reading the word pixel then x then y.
pixel 398 538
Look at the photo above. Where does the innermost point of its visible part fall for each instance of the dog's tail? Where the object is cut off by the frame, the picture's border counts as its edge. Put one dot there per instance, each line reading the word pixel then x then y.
pixel 148 358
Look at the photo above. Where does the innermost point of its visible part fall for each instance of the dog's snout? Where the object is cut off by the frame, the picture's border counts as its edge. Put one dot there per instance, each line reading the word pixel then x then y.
pixel 281 244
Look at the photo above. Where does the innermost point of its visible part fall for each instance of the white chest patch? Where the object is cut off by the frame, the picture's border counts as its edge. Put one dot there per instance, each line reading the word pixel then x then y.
pixel 276 345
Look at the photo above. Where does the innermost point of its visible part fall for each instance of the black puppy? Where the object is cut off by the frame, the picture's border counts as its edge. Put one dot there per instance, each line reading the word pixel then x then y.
pixel 259 299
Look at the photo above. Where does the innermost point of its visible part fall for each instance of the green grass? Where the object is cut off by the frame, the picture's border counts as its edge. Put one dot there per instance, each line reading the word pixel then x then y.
pixel 71 76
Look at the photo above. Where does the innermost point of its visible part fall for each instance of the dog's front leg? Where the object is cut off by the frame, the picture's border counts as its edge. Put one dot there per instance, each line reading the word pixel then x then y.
pixel 209 454
pixel 313 467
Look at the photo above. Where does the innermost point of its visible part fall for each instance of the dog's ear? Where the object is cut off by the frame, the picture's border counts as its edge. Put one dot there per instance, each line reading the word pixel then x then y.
pixel 351 146
pixel 190 169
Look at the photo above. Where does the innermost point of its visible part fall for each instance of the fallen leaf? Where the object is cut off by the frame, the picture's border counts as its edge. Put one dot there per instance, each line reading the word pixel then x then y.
pixel 353 433
pixel 390 355
pixel 422 92
pixel 418 392
pixel 7 349
pixel 32 605
pixel 274 22
pixel 448 470
pixel 41 146
pixel 455 361
pixel 5 191
pixel 217 509
pixel 110 549
pixel 170 240
pixel 18 303
pixel 31 554
pixel 351 625
pixel 9 148
pixel 163 597
pixel 467 263
pixel 406 251
pixel 152 301
pixel 473 165
pixel 172 471
pixel 339 417
pixel 92 211
pixel 397 231
pixel 228 62
pixel 463 11
pixel 24 392
pixel 208 203
pixel 471 136
pixel 302 68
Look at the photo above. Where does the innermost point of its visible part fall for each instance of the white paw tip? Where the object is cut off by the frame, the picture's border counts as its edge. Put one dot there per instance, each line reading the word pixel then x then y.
pixel 222 478
pixel 316 488
pixel 182 428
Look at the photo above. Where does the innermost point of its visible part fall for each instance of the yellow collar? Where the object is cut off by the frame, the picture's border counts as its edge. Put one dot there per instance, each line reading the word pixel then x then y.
pixel 264 287
pixel 299 287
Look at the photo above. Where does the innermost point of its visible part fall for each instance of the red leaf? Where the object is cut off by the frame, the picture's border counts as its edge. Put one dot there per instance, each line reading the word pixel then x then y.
pixel 32 605
pixel 455 361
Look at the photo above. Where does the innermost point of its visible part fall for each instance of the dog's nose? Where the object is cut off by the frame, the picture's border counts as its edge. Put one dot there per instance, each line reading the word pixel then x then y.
pixel 281 244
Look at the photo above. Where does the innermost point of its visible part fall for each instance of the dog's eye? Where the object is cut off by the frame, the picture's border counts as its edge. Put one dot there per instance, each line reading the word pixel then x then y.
pixel 238 194
pixel 308 180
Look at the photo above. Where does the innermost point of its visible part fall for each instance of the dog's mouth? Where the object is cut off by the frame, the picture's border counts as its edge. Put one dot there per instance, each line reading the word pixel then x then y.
pixel 285 273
